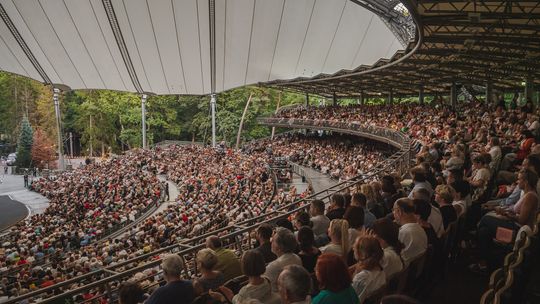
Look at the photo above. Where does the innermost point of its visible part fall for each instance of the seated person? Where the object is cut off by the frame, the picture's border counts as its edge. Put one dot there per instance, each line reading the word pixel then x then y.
pixel 334 281
pixel 210 278
pixel 258 287
pixel 176 290
pixel 336 210
pixel 522 213
pixel 411 234
pixel 368 273
pixel 387 233
pixel 228 262
pixel 294 285
pixel 263 235
pixel 308 252
pixel 339 238
pixel 444 197
pixel 283 246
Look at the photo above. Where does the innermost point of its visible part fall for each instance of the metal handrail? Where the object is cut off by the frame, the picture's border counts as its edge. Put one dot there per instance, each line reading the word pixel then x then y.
pixel 191 246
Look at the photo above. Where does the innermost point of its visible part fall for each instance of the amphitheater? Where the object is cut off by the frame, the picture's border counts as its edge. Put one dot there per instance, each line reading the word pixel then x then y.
pixel 431 201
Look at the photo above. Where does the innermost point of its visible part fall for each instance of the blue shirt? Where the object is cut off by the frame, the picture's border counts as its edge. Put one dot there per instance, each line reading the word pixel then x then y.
pixel 177 292
pixel 369 218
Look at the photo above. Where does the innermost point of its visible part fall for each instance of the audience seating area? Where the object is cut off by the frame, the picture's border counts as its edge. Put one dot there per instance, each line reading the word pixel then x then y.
pixel 469 196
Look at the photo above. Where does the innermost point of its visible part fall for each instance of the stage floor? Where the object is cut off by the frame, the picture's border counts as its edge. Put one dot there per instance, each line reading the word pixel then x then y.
pixel 11 212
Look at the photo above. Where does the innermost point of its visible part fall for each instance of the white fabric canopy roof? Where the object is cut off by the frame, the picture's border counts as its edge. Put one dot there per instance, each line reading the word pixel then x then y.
pixel 168 42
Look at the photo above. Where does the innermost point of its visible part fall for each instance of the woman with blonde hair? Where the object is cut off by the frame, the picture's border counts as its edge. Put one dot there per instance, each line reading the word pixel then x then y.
pixel 210 277
pixel 367 190
pixel 338 231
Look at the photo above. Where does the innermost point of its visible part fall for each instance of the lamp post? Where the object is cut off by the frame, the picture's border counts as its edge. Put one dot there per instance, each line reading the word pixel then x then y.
pixel 61 166
pixel 143 110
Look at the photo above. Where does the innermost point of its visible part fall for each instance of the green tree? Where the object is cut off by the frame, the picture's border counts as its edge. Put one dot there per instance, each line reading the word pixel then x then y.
pixel 24 145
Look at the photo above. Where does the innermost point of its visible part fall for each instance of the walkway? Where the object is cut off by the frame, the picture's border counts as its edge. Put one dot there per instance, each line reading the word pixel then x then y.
pixel 173 194
pixel 13 186
pixel 318 181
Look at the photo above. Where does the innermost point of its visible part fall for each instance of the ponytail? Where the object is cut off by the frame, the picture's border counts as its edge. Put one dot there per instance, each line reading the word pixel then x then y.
pixel 339 228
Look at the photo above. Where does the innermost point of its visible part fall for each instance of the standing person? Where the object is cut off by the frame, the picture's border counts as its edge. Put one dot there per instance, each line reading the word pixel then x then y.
pixel 26 178
pixel 176 290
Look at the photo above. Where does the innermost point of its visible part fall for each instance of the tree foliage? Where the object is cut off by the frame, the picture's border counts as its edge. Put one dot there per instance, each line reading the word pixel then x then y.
pixel 24 145
pixel 43 153
pixel 104 121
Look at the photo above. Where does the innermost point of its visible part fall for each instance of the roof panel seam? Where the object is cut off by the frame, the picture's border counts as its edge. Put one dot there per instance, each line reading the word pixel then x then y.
pixel 200 44
pixel 18 37
pixel 250 37
pixel 178 45
pixel 136 44
pixel 334 37
pixel 277 40
pixel 61 44
pixel 120 42
pixel 363 39
pixel 108 47
pixel 13 54
pixel 305 35
pixel 224 49
pixel 84 44
pixel 157 47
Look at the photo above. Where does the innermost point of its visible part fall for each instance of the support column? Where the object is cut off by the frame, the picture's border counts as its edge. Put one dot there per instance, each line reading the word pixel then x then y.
pixel 529 87
pixel 213 109
pixel 390 97
pixel 362 95
pixel 334 99
pixel 307 99
pixel 489 92
pixel 143 120
pixel 421 94
pixel 60 143
pixel 71 144
pixel 453 95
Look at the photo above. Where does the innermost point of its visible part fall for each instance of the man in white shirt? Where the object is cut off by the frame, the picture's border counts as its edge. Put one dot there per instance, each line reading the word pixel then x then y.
pixel 283 246
pixel 320 221
pixel 411 234
pixel 420 181
pixel 435 217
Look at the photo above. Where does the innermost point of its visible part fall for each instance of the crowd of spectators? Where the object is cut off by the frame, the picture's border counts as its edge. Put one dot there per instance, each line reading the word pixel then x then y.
pixel 340 156
pixel 371 233
pixel 368 235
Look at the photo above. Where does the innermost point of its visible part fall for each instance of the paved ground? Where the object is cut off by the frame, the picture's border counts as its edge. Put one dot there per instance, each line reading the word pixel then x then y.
pixel 13 185
pixel 298 183
pixel 318 180
pixel 11 212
